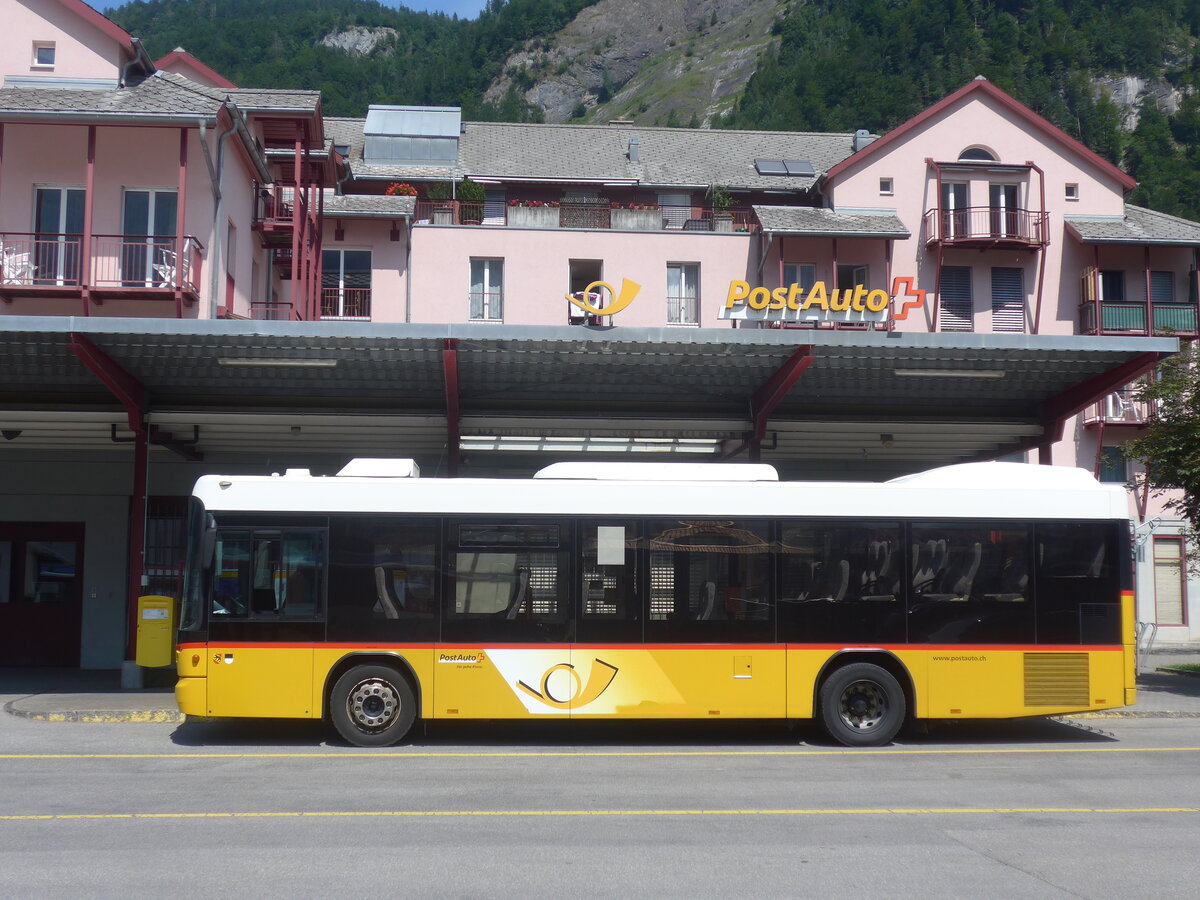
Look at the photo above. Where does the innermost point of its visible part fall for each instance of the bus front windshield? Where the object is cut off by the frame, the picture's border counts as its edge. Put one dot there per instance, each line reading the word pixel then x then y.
pixel 201 531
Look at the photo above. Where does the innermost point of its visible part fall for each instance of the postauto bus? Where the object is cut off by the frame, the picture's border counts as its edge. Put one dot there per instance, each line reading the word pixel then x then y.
pixel 656 591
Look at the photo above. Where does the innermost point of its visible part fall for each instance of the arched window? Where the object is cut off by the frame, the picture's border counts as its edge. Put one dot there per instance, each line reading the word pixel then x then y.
pixel 977 154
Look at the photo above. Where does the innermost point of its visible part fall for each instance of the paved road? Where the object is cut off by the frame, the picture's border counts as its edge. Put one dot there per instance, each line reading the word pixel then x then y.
pixel 1091 808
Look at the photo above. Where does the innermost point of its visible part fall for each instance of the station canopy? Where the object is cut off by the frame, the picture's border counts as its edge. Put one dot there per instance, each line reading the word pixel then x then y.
pixel 854 405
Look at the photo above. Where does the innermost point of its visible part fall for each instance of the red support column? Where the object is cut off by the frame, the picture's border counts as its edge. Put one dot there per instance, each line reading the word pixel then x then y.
pixel 450 372
pixel 89 204
pixel 1149 297
pixel 181 263
pixel 133 396
pixel 297 219
pixel 768 396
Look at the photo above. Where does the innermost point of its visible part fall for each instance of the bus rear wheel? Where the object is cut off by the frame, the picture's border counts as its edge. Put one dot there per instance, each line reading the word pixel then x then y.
pixel 862 705
pixel 372 706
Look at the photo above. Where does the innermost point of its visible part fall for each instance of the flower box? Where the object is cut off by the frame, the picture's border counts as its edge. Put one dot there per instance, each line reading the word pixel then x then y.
pixel 533 216
pixel 637 219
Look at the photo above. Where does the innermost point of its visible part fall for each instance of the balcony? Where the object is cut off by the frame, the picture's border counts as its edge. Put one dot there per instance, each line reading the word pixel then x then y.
pixel 986 227
pixel 1118 408
pixel 601 216
pixel 117 266
pixel 346 304
pixel 1112 317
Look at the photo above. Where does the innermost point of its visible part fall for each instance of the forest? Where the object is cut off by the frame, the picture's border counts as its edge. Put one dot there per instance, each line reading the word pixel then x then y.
pixel 838 65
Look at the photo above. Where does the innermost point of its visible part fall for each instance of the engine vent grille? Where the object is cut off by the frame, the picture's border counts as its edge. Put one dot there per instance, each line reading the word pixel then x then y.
pixel 1056 679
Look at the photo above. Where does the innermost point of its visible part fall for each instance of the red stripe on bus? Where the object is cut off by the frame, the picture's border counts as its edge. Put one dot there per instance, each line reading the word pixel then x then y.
pixel 939 648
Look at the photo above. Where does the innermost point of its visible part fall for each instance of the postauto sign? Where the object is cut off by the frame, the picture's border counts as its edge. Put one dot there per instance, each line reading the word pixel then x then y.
pixel 793 303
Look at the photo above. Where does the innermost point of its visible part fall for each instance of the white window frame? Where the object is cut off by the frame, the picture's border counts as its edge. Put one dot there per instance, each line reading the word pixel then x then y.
pixel 887 187
pixel 492 298
pixel 341 287
pixel 677 306
pixel 44 45
pixel 803 274
pixel 1072 191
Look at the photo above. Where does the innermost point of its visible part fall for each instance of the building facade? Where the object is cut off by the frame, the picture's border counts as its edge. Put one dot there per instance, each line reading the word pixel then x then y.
pixel 132 189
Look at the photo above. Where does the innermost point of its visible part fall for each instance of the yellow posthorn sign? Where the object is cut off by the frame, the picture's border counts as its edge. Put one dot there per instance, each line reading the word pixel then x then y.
pixel 629 290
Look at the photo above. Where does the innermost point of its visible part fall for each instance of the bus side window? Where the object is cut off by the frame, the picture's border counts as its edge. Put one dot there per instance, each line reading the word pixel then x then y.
pixel 231 582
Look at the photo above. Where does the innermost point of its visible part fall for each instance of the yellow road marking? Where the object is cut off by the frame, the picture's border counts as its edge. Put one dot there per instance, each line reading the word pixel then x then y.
pixel 523 754
pixel 488 813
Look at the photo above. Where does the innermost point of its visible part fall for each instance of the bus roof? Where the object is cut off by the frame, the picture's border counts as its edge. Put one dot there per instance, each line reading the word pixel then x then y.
pixel 968 491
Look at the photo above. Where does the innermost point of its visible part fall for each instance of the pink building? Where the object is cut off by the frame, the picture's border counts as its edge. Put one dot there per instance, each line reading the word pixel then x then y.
pixel 138 189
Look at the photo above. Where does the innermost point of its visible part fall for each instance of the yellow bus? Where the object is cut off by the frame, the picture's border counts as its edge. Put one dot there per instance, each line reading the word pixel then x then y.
pixel 655 591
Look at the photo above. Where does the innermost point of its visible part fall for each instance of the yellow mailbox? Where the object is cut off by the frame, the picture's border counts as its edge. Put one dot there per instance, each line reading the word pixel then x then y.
pixel 155 631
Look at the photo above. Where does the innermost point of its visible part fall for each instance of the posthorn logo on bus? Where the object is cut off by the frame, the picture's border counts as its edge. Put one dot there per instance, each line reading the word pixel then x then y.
pixel 562 688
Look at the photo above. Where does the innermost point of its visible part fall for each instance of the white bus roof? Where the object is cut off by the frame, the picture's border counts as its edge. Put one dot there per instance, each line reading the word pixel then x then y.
pixel 971 491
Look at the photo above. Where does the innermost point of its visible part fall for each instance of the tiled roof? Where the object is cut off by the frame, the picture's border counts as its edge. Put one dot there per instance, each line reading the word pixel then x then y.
pixel 163 94
pixel 826 222
pixel 158 96
pixel 1138 226
pixel 366 206
pixel 666 156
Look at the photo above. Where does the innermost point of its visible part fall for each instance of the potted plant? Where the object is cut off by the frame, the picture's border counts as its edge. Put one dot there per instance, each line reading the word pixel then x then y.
pixel 443 212
pixel 400 189
pixel 721 201
pixel 471 195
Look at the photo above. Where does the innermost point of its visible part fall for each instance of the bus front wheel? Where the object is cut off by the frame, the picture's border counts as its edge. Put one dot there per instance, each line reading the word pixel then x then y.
pixel 372 706
pixel 862 705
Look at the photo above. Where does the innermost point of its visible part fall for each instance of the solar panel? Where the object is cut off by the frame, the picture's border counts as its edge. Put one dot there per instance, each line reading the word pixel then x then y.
pixel 770 167
pixel 800 167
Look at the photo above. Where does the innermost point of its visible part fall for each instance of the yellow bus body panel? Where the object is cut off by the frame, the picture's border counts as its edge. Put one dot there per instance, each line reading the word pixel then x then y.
pixel 700 682
pixel 261 681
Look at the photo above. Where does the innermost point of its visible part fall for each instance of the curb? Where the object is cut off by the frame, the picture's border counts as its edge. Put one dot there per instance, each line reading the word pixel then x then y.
pixel 1168 670
pixel 108 716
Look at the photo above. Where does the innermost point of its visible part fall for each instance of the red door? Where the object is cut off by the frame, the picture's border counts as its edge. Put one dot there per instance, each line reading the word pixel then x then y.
pixel 41 595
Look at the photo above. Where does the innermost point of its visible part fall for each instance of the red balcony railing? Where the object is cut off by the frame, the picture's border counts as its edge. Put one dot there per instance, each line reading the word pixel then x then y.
pixel 987 226
pixel 116 263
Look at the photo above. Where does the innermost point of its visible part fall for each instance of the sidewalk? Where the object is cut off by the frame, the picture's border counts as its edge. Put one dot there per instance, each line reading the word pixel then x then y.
pixel 88 695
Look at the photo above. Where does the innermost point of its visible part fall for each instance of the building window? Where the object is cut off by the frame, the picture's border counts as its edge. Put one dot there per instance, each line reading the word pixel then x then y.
pixel 683 294
pixel 957 306
pixel 850 276
pixel 803 274
pixel 1004 202
pixel 1112 285
pixel 582 274
pixel 956 199
pixel 487 290
pixel 1008 299
pixel 1072 192
pixel 1170 589
pixel 346 284
pixel 977 154
pixel 1112 466
pixel 1162 287
pixel 43 54
pixel 885 186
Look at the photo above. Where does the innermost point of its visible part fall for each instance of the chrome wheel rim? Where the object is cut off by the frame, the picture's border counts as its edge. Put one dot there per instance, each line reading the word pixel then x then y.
pixel 862 706
pixel 373 704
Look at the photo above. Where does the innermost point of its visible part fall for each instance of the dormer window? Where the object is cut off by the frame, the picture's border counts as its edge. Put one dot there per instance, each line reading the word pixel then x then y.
pixel 976 154
pixel 43 54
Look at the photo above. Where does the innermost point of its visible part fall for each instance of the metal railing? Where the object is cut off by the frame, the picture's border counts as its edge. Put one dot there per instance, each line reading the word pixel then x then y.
pixel 1136 317
pixel 986 223
pixel 1118 408
pixel 352 303
pixel 600 216
pixel 272 312
pixel 115 261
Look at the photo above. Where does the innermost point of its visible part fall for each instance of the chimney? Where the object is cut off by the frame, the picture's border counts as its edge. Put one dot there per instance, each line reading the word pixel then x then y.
pixel 862 137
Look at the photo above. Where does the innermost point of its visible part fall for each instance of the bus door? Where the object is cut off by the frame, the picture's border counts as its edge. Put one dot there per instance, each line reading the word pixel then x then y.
pixel 267 612
pixel 508 621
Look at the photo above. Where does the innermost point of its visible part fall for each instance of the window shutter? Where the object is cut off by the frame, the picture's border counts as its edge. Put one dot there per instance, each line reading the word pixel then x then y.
pixel 957 306
pixel 1168 581
pixel 1008 299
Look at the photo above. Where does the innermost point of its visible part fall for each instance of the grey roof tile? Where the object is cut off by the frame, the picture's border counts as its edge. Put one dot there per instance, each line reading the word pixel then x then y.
pixel 156 96
pixel 826 222
pixel 1138 226
pixel 667 156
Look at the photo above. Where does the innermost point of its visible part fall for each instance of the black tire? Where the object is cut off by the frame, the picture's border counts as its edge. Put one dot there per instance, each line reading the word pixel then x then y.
pixel 862 705
pixel 372 706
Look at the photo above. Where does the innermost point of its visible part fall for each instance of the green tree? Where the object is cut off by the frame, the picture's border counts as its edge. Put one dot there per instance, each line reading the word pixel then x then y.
pixel 1170 446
